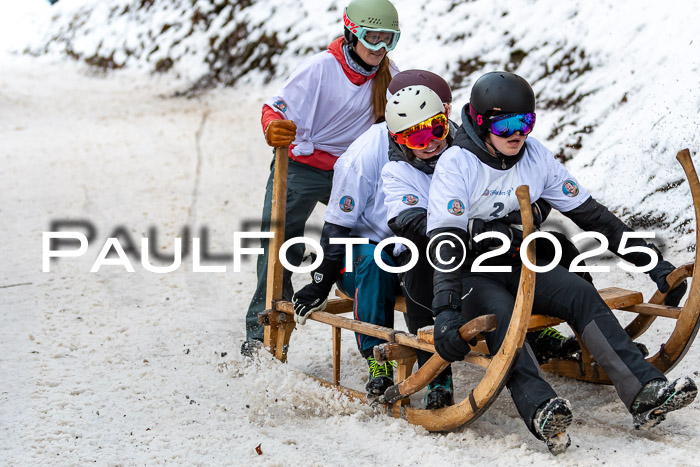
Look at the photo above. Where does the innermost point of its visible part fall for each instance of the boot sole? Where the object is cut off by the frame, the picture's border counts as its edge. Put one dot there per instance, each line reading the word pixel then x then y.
pixel 554 432
pixel 679 399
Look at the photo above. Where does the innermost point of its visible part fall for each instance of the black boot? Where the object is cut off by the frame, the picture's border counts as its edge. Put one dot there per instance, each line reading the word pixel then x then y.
pixel 658 397
pixel 250 347
pixel 380 377
pixel 550 423
pixel 440 392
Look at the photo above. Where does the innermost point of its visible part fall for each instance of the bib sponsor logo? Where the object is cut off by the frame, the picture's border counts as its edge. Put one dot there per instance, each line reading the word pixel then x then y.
pixel 569 188
pixel 507 192
pixel 280 105
pixel 410 199
pixel 455 207
pixel 347 204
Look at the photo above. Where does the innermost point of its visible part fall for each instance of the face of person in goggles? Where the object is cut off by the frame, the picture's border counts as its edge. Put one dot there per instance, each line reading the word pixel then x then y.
pixel 377 41
pixel 427 138
pixel 509 132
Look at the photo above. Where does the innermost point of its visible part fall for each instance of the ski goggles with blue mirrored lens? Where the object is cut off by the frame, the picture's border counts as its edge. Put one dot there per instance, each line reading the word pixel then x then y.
pixel 506 125
pixel 373 39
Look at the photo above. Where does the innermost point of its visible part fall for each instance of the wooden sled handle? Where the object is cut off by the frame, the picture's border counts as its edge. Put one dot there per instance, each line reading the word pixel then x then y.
pixel 687 318
pixel 275 271
pixel 436 364
pixel 688 321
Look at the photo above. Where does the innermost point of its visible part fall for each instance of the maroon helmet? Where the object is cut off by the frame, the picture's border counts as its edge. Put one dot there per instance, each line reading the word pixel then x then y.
pixel 424 78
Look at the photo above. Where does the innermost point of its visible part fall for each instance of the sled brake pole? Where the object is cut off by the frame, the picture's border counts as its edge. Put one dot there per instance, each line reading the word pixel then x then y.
pixel 274 266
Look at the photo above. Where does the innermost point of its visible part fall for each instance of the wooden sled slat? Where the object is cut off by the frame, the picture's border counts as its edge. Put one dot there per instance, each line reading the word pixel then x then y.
pixel 615 297
pixel 335 306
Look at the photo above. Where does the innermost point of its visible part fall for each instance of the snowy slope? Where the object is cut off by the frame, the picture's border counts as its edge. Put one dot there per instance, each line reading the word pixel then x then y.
pixel 617 82
pixel 139 368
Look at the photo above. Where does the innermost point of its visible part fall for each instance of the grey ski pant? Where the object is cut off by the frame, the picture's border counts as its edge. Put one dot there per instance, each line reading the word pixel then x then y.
pixel 306 186
pixel 564 295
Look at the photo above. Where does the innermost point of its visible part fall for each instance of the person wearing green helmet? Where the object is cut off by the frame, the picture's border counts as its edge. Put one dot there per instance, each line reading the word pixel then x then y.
pixel 327 102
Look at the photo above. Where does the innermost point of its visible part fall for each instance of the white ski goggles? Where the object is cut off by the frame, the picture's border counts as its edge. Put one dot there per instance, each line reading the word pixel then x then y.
pixel 373 39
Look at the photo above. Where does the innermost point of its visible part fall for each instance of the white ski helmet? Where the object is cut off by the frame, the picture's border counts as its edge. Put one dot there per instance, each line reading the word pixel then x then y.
pixel 411 106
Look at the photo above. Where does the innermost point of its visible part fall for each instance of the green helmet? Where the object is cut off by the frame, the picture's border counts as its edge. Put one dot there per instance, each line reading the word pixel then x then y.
pixel 363 16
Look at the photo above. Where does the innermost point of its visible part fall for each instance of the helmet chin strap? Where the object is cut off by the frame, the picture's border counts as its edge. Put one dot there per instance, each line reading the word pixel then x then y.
pixel 498 153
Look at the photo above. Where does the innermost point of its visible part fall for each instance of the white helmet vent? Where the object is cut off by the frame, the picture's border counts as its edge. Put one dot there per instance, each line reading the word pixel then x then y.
pixel 410 106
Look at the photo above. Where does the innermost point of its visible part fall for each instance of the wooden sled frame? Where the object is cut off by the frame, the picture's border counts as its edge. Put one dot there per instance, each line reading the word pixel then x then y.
pixel 401 346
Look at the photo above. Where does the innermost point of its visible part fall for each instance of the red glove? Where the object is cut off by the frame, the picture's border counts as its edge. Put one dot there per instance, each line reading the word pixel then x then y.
pixel 280 133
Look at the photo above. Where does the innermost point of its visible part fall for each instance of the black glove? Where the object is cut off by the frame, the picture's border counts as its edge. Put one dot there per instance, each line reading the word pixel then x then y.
pixel 448 343
pixel 540 212
pixel 478 226
pixel 314 296
pixel 658 274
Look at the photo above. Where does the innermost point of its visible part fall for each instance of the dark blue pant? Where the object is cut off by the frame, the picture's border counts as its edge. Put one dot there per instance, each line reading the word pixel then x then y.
pixel 564 295
pixel 306 186
pixel 374 291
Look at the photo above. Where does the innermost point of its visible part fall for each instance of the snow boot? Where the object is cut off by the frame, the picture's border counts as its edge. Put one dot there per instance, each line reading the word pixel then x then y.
pixel 250 347
pixel 380 377
pixel 440 393
pixel 550 423
pixel 550 343
pixel 658 397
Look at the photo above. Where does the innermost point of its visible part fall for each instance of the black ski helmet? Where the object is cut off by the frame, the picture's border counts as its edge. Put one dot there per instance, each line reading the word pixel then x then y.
pixel 497 93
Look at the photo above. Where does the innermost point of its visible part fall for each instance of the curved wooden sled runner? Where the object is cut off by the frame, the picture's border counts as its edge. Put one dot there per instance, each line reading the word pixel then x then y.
pixel 401 346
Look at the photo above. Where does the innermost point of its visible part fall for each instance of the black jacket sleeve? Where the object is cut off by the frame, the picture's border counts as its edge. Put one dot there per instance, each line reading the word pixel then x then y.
pixel 333 254
pixel 593 216
pixel 447 286
pixel 412 225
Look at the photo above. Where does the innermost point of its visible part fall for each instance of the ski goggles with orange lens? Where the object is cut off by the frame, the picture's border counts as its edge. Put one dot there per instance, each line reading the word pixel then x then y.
pixel 373 39
pixel 506 125
pixel 418 136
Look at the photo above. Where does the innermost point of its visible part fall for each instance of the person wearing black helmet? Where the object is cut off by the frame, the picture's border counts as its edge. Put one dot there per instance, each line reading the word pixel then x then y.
pixel 420 131
pixel 493 154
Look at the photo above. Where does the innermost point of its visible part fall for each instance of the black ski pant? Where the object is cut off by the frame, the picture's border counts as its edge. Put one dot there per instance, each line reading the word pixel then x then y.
pixel 417 287
pixel 564 295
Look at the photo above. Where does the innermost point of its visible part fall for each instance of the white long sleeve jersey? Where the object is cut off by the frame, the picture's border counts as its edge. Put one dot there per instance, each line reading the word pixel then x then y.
pixel 405 187
pixel 357 199
pixel 463 187
pixel 330 112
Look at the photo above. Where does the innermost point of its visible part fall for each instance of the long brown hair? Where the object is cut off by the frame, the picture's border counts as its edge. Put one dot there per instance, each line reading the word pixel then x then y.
pixel 379 87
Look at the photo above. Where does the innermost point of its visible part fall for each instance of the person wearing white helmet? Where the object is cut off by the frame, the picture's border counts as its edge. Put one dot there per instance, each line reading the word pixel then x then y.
pixel 329 100
pixel 493 154
pixel 357 209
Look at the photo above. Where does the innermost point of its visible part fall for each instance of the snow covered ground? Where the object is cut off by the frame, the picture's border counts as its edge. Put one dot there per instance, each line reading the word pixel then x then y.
pixel 134 368
pixel 125 368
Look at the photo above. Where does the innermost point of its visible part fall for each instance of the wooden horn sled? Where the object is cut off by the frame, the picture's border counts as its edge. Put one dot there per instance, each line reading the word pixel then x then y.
pixel 401 346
